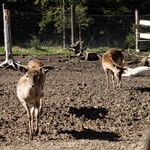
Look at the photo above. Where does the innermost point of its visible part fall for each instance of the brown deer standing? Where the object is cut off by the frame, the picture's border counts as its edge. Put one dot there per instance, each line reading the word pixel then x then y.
pixel 30 90
pixel 112 61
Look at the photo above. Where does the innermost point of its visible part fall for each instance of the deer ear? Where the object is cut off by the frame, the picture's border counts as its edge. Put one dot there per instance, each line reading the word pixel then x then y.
pixel 22 69
pixel 47 68
pixel 44 70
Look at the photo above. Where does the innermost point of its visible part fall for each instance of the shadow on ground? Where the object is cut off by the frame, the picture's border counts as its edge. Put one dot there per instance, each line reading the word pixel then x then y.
pixel 89 113
pixel 93 135
pixel 142 89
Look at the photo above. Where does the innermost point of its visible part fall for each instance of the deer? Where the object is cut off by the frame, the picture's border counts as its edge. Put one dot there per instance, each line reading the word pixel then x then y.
pixel 147 140
pixel 137 71
pixel 30 90
pixel 112 61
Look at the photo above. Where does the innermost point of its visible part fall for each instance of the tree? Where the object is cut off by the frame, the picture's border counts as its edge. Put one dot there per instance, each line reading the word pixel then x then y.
pixel 82 20
pixel 16 5
pixel 52 14
pixel 7 39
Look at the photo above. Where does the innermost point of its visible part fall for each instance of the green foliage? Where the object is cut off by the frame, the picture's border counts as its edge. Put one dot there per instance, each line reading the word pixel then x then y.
pixel 113 18
pixel 130 39
pixel 53 14
pixel 119 11
pixel 81 16
pixel 34 42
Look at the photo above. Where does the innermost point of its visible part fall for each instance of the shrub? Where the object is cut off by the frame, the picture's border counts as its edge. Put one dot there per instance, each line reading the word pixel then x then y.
pixel 34 42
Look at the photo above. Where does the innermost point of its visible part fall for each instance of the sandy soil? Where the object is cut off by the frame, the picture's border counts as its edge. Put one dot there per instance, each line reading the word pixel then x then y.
pixel 78 112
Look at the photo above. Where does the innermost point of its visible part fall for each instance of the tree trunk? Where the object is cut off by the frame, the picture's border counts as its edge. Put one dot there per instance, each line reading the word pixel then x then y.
pixel 72 24
pixel 9 61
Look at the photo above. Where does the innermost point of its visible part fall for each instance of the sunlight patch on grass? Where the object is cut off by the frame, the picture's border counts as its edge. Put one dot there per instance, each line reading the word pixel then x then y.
pixel 38 51
pixel 53 50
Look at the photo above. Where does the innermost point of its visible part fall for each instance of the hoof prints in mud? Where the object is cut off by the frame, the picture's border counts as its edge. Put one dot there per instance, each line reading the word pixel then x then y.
pixel 76 105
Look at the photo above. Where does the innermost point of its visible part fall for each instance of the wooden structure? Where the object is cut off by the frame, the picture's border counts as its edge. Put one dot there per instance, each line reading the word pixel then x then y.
pixel 72 24
pixel 140 37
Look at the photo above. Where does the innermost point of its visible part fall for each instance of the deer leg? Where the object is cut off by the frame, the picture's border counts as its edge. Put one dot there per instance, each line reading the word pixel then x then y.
pixel 29 118
pixel 37 120
pixel 119 83
pixel 40 107
pixel 107 78
pixel 113 79
pixel 31 122
pixel 37 111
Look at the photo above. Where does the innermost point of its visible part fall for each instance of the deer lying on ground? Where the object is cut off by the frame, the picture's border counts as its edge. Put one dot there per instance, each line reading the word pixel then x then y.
pixel 147 141
pixel 112 61
pixel 30 90
pixel 138 71
pixel 145 61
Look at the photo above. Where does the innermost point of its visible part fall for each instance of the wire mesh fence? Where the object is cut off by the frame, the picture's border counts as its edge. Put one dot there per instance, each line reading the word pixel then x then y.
pixel 104 31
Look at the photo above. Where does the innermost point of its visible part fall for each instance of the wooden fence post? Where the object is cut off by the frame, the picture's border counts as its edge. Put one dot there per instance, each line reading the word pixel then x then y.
pixel 136 31
pixel 7 32
pixel 72 24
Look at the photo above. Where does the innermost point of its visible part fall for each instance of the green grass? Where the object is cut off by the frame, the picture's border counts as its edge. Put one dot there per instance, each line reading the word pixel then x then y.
pixel 38 51
pixel 55 50
pixel 2 51
pixel 97 50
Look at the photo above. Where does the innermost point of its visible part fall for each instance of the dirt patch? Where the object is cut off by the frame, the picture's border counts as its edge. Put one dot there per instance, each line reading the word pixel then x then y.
pixel 77 111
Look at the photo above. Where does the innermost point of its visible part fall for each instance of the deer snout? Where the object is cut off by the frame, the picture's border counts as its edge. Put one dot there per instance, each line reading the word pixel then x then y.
pixel 31 83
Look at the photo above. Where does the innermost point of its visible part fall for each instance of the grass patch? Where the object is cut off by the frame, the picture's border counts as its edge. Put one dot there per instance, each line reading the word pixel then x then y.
pixel 54 50
pixel 97 50
pixel 36 51
pixel 2 50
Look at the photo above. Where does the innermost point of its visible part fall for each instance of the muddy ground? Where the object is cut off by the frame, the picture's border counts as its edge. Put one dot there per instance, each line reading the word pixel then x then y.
pixel 78 112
